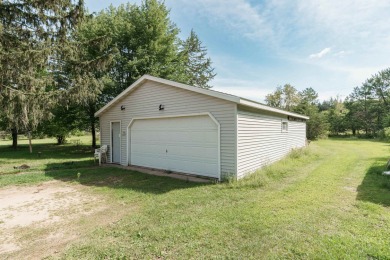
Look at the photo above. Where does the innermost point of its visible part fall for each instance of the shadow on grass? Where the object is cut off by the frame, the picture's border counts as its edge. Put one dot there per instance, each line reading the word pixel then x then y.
pixel 65 156
pixel 375 187
pixel 71 163
pixel 117 178
pixel 47 151
pixel 354 139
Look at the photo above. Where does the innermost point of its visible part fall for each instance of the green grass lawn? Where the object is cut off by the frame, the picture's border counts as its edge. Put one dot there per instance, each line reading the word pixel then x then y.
pixel 329 201
pixel 47 155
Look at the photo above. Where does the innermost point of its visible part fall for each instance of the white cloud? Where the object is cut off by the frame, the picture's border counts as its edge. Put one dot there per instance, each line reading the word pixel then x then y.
pixel 355 30
pixel 290 27
pixel 359 23
pixel 355 75
pixel 237 16
pixel 341 54
pixel 320 54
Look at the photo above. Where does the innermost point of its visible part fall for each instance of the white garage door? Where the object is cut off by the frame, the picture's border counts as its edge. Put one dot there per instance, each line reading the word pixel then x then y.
pixel 183 144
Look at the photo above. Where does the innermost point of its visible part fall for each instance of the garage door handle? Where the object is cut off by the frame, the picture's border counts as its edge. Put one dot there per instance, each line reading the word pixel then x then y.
pixel 166 150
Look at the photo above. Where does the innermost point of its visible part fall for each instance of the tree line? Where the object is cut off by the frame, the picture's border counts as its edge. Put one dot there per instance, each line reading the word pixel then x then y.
pixel 59 64
pixel 363 113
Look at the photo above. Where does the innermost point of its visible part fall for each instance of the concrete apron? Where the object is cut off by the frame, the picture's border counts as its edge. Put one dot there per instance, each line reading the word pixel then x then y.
pixel 157 172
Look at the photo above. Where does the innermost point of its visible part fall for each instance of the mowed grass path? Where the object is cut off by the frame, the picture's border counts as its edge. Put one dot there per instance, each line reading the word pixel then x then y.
pixel 328 202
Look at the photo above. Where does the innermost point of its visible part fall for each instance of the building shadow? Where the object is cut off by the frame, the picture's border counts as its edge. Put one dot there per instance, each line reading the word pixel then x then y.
pixel 375 186
pixel 119 178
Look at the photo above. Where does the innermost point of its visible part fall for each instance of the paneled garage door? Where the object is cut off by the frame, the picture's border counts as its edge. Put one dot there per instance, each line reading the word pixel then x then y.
pixel 184 144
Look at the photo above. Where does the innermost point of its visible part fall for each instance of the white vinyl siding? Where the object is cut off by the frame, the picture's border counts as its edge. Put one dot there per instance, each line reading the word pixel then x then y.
pixel 261 140
pixel 144 101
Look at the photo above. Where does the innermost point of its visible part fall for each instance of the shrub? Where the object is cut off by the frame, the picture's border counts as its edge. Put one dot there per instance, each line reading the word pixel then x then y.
pixel 384 134
pixel 4 135
pixel 78 132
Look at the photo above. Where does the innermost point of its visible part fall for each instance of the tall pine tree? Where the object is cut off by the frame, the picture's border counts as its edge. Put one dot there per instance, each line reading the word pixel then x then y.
pixel 197 66
pixel 33 35
pixel 85 72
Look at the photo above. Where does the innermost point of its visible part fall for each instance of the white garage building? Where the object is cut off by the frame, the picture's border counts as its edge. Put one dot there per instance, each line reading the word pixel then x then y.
pixel 167 125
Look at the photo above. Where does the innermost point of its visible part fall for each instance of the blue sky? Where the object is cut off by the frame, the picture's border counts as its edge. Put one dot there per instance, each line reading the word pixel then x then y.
pixel 329 45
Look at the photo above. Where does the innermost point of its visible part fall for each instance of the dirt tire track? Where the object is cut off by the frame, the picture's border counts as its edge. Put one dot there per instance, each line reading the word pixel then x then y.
pixel 41 220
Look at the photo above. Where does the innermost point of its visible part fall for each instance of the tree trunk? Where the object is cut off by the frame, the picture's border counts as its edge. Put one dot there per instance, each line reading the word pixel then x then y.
pixel 14 138
pixel 61 139
pixel 93 131
pixel 353 131
pixel 29 141
pixel 92 121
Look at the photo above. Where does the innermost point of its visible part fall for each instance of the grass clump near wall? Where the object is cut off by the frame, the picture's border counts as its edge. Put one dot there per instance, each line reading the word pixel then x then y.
pixel 289 166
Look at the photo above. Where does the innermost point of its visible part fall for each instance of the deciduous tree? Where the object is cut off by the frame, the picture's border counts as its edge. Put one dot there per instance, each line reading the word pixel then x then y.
pixel 317 125
pixel 285 97
pixel 145 41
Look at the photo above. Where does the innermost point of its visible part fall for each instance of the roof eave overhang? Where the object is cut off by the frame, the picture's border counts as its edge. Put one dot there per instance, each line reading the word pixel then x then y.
pixel 252 104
